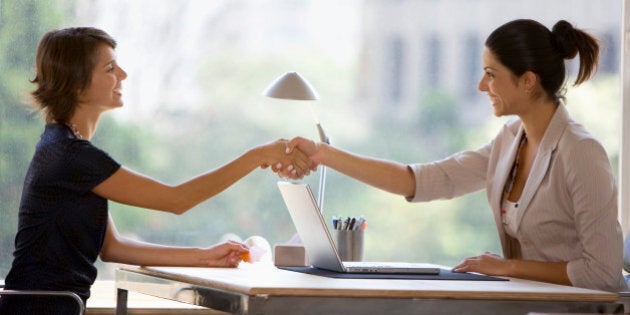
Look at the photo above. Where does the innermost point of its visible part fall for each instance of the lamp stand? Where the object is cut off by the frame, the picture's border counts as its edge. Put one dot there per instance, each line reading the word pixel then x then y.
pixel 322 176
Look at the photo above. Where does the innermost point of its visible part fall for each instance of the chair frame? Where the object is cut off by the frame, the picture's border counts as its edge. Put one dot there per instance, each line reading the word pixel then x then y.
pixel 68 294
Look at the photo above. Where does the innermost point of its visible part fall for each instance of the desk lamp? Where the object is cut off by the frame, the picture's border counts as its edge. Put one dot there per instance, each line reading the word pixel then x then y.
pixel 292 86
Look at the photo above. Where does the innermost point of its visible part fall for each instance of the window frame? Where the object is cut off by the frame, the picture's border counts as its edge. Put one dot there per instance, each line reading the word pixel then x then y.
pixel 624 159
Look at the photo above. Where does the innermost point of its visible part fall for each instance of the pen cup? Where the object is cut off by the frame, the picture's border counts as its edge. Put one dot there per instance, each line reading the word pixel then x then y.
pixel 349 244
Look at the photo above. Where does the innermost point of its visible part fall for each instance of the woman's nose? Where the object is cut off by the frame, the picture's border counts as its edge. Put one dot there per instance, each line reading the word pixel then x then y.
pixel 122 74
pixel 482 86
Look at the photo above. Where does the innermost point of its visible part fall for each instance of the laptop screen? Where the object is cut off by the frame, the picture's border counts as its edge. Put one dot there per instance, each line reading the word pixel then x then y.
pixel 310 226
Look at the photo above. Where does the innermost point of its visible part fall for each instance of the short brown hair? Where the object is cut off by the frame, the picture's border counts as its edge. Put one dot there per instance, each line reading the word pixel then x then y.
pixel 64 64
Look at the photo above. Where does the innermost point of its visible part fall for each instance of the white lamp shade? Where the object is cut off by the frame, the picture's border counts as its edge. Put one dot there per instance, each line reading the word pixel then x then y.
pixel 291 86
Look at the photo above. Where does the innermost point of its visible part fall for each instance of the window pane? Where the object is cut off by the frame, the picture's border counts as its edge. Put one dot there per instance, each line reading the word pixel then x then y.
pixel 397 80
pixel 21 25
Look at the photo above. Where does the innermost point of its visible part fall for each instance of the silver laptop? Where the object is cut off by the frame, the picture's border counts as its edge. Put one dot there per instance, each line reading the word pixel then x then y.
pixel 319 244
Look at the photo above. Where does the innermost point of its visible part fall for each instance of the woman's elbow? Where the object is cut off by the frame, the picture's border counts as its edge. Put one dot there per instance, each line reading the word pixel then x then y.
pixel 105 257
pixel 170 205
pixel 179 208
pixel 179 204
pixel 607 279
pixel 107 254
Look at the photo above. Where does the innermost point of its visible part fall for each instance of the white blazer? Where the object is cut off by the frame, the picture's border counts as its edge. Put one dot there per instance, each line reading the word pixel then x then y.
pixel 568 207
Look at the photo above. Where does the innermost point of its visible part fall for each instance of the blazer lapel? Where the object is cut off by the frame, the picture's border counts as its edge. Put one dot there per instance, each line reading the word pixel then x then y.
pixel 509 146
pixel 536 175
pixel 541 164
pixel 503 169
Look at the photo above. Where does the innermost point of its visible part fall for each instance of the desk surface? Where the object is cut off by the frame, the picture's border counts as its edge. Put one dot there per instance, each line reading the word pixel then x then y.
pixel 262 279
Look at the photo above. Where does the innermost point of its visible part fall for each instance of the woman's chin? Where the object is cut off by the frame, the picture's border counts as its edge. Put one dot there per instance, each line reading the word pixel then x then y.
pixel 497 112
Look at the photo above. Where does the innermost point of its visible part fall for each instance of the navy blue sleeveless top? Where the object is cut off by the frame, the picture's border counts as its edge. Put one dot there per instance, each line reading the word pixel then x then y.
pixel 61 223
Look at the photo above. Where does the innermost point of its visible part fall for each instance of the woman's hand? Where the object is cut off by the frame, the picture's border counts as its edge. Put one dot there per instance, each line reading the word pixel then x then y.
pixel 287 163
pixel 495 265
pixel 488 264
pixel 227 254
pixel 309 147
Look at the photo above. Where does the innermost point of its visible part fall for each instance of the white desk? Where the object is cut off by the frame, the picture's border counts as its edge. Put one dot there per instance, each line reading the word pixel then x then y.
pixel 264 289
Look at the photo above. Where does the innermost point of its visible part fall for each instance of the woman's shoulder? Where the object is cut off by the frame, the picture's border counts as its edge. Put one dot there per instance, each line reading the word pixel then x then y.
pixel 55 133
pixel 60 141
pixel 570 132
pixel 576 135
pixel 578 146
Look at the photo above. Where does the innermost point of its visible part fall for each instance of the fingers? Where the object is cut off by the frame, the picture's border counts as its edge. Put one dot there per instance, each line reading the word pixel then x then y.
pixel 232 260
pixel 491 254
pixel 296 165
pixel 487 263
pixel 467 265
pixel 238 246
pixel 276 167
pixel 289 162
pixel 300 165
pixel 292 144
pixel 294 172
pixel 226 254
pixel 309 147
pixel 462 267
pixel 288 172
pixel 303 159
pixel 237 253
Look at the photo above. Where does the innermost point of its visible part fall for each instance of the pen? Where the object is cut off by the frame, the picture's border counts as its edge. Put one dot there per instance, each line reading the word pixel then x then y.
pixel 359 223
pixel 349 223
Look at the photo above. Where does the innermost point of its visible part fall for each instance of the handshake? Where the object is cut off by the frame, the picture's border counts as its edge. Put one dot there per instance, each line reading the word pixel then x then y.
pixel 291 159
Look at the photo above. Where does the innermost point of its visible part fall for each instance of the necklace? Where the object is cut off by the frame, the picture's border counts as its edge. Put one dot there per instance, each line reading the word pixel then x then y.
pixel 75 131
pixel 510 183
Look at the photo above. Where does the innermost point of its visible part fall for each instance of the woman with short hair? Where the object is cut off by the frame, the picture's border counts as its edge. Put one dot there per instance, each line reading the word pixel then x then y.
pixel 64 222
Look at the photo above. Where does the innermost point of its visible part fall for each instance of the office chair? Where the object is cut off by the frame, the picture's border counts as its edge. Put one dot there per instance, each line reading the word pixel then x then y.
pixel 68 294
pixel 624 296
pixel 626 257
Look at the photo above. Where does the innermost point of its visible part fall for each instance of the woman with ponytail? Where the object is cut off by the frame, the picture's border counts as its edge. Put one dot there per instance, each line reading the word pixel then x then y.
pixel 549 182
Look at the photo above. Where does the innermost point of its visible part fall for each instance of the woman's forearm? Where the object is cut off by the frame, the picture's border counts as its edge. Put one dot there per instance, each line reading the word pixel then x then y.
pixel 553 272
pixel 387 175
pixel 134 252
pixel 124 250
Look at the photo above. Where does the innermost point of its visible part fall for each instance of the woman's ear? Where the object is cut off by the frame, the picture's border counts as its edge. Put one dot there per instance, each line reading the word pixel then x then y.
pixel 529 81
pixel 80 95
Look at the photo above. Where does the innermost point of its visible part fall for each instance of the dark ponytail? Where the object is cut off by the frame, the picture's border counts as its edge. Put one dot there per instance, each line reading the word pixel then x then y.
pixel 570 41
pixel 526 45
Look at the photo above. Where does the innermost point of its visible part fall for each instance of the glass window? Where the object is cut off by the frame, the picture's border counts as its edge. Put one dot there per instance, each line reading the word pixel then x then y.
pixel 397 57
pixel 397 80
pixel 434 53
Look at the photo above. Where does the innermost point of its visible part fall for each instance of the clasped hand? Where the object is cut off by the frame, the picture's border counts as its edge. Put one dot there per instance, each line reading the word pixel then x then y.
pixel 285 161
